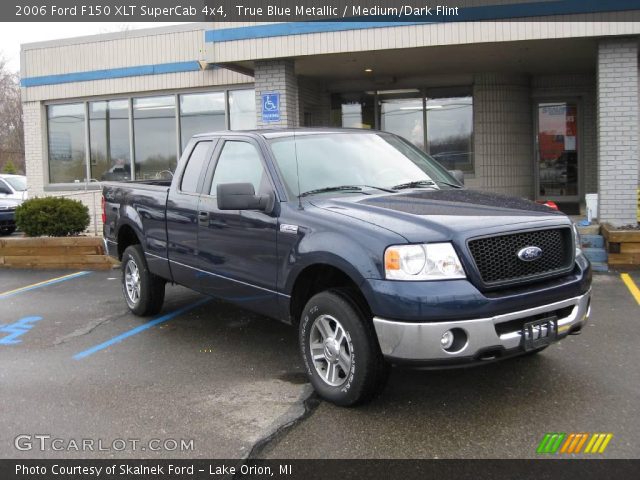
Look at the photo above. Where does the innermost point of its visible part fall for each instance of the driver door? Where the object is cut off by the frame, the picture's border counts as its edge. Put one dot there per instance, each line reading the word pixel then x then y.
pixel 237 249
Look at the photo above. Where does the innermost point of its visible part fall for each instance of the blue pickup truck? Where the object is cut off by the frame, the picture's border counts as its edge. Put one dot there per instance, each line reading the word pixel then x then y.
pixel 366 244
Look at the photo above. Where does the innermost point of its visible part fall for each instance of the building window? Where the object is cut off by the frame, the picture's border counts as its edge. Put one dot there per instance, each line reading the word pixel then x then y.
pixel 242 109
pixel 450 132
pixel 353 110
pixel 402 113
pixel 441 125
pixel 201 113
pixel 154 143
pixel 154 124
pixel 109 140
pixel 67 162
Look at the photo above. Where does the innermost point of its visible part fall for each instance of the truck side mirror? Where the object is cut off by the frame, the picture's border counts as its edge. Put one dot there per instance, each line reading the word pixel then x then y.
pixel 242 196
pixel 458 175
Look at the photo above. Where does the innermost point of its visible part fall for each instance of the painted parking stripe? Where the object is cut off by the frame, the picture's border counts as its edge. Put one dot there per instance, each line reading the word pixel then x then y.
pixel 141 328
pixel 45 283
pixel 633 288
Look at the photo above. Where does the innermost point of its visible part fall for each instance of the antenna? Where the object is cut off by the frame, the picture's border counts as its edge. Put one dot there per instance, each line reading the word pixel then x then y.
pixel 295 152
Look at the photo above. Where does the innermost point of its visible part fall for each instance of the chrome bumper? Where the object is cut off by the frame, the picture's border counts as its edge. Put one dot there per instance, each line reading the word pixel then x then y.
pixel 404 341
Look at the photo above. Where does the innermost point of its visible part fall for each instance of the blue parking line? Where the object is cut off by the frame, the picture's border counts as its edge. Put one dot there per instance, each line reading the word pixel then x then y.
pixel 45 283
pixel 141 328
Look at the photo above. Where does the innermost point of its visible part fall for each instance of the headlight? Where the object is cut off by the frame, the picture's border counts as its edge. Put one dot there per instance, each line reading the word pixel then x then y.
pixel 576 239
pixel 430 261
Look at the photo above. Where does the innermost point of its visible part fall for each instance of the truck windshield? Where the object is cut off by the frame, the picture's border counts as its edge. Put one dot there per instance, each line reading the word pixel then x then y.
pixel 19 183
pixel 329 161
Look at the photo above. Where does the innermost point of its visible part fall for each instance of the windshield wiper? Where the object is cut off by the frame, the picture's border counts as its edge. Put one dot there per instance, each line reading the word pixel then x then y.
pixel 415 184
pixel 448 184
pixel 356 188
pixel 331 189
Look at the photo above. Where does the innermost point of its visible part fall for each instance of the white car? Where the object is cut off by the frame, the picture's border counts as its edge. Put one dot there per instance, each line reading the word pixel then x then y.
pixel 13 186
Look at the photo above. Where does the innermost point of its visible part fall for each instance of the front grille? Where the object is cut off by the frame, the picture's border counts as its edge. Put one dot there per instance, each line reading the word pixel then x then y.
pixel 497 257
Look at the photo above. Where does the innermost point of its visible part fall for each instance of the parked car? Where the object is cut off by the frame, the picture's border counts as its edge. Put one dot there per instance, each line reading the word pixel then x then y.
pixel 13 186
pixel 8 215
pixel 374 251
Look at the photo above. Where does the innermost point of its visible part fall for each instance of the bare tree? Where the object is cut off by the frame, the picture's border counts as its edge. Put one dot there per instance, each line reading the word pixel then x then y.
pixel 11 126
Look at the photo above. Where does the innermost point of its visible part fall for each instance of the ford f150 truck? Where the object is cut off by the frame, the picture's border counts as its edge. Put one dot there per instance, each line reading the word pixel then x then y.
pixel 372 249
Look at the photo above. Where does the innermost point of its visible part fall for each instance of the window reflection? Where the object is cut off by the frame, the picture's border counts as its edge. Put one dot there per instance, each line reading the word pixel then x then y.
pixel 201 113
pixel 193 171
pixel 448 120
pixel 450 132
pixel 154 142
pixel 557 149
pixel 67 161
pixel 242 109
pixel 239 162
pixel 155 136
pixel 351 110
pixel 109 140
pixel 404 117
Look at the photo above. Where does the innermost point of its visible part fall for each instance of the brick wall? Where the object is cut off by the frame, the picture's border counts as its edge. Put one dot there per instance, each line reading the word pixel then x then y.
pixel 617 106
pixel 315 104
pixel 278 76
pixel 34 127
pixel 502 130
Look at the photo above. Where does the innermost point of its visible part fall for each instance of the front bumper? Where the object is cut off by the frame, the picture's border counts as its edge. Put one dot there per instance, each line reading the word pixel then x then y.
pixel 486 338
pixel 7 218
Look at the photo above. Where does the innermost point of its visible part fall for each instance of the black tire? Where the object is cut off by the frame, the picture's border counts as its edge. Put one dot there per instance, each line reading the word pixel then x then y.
pixel 365 374
pixel 7 231
pixel 150 291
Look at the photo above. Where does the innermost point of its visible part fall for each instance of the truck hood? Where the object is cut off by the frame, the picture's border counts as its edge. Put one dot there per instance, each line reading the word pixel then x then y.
pixel 442 215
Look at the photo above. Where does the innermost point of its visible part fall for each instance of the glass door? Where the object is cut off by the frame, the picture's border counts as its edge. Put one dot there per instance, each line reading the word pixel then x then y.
pixel 557 152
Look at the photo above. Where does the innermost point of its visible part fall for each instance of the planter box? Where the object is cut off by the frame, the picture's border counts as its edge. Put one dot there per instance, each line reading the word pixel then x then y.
pixel 85 253
pixel 623 247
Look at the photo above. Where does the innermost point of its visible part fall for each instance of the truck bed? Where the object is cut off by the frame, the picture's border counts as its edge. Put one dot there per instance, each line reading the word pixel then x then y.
pixel 142 207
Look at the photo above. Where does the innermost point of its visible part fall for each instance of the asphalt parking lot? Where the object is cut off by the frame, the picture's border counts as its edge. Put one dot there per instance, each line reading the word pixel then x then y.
pixel 202 375
pixel 209 373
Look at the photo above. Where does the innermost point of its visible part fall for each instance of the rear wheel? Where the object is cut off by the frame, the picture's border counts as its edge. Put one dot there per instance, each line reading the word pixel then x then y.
pixel 7 231
pixel 340 350
pixel 142 290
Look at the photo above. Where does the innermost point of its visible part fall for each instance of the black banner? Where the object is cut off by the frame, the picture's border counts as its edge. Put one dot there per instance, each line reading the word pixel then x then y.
pixel 309 10
pixel 318 469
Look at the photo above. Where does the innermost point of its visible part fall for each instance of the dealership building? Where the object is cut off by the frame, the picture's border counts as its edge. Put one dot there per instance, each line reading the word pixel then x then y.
pixel 540 107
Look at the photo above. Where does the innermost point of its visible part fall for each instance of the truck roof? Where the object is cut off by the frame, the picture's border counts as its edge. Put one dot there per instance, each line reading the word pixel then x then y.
pixel 286 132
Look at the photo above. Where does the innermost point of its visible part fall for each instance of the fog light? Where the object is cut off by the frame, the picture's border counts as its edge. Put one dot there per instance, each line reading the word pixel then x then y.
pixel 446 340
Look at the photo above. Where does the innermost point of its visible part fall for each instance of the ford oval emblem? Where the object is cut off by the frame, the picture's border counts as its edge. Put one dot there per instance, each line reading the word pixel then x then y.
pixel 529 254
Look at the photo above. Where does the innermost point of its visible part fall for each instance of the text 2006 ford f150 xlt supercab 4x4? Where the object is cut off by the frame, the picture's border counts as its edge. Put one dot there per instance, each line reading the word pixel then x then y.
pixel 365 243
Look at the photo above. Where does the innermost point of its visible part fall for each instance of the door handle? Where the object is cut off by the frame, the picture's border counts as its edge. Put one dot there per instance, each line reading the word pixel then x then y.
pixel 203 218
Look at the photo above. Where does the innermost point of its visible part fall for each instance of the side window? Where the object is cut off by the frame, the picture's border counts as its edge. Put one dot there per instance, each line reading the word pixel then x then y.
pixel 239 162
pixel 193 171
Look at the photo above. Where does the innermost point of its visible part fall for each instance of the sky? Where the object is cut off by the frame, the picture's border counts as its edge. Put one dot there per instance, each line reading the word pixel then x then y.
pixel 16 33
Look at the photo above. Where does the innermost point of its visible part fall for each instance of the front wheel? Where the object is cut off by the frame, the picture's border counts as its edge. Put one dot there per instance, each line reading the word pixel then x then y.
pixel 340 350
pixel 7 231
pixel 142 290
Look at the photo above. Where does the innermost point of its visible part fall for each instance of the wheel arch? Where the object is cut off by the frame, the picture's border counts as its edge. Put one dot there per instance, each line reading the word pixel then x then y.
pixel 322 276
pixel 127 236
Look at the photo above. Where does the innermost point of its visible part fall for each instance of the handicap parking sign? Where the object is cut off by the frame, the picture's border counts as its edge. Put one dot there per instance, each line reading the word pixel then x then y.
pixel 270 107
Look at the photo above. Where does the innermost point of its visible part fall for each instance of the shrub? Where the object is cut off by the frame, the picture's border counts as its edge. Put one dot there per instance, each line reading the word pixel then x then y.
pixel 52 216
pixel 9 168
